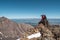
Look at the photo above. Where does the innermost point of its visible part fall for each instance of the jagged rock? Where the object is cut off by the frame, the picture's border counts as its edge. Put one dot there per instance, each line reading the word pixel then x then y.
pixel 45 32
pixel 55 29
pixel 12 29
pixel 58 38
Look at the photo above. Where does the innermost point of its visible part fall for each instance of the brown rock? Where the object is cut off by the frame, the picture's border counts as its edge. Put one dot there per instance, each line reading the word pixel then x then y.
pixel 12 29
pixel 45 32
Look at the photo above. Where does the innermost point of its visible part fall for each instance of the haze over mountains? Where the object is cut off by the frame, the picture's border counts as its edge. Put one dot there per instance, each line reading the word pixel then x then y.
pixel 35 21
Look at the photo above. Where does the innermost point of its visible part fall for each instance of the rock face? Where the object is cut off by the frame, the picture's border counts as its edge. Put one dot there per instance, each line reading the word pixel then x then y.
pixel 45 32
pixel 55 29
pixel 12 29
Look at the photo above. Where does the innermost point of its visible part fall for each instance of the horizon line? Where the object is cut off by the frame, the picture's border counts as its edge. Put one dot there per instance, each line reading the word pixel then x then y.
pixel 29 18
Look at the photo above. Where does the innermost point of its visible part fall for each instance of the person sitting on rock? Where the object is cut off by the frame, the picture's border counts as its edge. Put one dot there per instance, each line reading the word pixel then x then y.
pixel 44 20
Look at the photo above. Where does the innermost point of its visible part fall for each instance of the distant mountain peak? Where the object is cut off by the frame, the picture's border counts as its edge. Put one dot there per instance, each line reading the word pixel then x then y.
pixel 3 18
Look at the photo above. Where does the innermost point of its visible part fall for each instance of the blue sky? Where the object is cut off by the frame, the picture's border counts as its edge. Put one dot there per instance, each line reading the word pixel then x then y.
pixel 29 8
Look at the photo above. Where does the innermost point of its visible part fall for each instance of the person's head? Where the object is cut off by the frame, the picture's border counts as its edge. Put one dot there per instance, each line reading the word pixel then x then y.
pixel 43 17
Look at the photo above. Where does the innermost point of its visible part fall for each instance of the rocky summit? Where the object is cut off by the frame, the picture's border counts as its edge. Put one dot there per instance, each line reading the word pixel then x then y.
pixel 10 30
